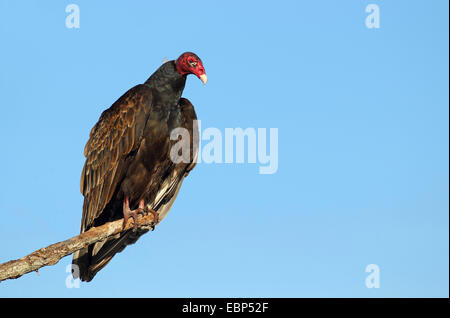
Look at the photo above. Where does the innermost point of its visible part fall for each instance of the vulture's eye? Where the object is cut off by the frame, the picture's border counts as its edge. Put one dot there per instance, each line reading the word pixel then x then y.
pixel 193 63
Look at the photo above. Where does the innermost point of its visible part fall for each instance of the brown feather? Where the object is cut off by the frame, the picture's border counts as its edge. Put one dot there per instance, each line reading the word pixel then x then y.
pixel 104 150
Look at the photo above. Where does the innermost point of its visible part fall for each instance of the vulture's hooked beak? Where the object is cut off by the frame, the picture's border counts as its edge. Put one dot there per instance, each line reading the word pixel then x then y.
pixel 204 78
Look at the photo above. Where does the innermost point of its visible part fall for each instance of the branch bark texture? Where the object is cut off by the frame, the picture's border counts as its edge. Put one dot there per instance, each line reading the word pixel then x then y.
pixel 51 254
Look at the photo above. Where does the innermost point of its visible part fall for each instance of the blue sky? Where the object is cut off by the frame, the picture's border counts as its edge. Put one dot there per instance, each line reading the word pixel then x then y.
pixel 362 116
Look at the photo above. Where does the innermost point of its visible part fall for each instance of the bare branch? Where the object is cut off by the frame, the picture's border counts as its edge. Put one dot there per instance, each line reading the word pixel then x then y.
pixel 51 254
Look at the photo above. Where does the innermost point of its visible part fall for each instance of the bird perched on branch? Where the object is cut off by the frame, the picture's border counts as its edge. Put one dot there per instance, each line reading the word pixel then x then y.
pixel 128 168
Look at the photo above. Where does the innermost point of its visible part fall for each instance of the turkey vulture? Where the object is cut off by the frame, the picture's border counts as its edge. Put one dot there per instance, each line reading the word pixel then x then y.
pixel 128 168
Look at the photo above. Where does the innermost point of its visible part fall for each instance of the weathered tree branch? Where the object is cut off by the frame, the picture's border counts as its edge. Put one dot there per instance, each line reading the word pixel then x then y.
pixel 51 254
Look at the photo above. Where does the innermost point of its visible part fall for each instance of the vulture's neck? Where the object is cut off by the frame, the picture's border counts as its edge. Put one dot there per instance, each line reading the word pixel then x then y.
pixel 168 83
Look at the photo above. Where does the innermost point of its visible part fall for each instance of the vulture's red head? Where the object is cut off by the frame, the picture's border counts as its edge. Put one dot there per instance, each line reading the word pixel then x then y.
pixel 190 63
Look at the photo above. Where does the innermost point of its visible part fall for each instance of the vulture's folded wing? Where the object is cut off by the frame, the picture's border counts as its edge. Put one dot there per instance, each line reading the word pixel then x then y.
pixel 117 134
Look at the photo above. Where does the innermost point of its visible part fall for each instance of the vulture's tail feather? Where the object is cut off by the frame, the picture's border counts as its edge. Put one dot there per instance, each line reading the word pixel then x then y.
pixel 89 260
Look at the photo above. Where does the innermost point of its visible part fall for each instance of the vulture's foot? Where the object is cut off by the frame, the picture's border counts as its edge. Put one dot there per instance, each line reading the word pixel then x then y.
pixel 155 217
pixel 127 213
pixel 147 210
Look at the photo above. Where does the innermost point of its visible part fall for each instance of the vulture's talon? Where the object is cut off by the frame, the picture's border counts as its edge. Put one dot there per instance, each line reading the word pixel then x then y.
pixel 155 218
pixel 134 215
pixel 127 213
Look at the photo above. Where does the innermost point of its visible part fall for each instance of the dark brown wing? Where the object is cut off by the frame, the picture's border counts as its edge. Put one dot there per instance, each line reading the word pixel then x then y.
pixel 171 185
pixel 117 134
pixel 189 121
